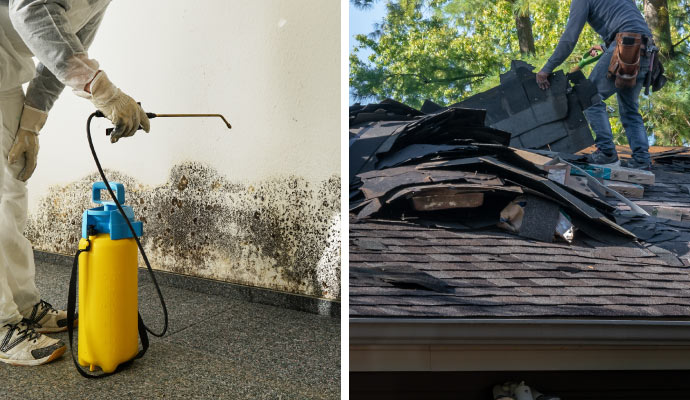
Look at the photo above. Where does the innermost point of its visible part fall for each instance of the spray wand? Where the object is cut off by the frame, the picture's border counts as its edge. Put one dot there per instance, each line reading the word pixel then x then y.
pixel 151 115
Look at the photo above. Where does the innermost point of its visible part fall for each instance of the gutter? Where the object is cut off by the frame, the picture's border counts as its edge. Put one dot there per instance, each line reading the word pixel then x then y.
pixel 527 331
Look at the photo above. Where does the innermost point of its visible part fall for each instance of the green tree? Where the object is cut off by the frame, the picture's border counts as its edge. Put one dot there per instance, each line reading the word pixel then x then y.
pixel 446 50
pixel 666 112
pixel 417 54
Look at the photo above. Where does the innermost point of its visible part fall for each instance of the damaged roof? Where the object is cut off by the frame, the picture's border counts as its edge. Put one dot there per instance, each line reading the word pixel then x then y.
pixel 427 192
pixel 403 269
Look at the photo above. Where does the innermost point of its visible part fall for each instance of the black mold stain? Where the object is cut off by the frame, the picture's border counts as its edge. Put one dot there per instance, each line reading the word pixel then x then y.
pixel 271 233
pixel 182 185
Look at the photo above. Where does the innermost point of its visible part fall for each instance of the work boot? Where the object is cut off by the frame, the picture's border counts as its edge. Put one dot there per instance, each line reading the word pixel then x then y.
pixel 602 158
pixel 20 344
pixel 45 319
pixel 643 165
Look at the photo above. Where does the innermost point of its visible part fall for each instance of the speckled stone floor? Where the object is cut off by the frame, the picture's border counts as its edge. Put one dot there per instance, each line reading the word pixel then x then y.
pixel 216 348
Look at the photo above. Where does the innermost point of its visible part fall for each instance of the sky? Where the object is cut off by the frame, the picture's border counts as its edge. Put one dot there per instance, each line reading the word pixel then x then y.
pixel 362 22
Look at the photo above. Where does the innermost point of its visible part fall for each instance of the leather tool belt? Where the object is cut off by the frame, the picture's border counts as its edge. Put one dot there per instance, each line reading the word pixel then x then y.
pixel 625 62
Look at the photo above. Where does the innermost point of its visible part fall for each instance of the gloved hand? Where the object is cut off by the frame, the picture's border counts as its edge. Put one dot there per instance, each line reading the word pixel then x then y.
pixel 26 143
pixel 594 51
pixel 118 107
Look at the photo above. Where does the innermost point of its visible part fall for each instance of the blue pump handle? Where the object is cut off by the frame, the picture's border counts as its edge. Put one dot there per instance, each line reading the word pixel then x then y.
pixel 117 187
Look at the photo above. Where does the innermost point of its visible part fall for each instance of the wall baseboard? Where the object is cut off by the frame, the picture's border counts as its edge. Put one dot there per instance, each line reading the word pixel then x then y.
pixel 229 290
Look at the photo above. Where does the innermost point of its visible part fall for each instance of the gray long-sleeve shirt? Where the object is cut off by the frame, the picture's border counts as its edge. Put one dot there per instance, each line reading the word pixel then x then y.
pixel 607 17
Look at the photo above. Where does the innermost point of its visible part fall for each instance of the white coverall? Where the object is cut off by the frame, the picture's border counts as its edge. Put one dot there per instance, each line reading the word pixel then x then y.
pixel 57 33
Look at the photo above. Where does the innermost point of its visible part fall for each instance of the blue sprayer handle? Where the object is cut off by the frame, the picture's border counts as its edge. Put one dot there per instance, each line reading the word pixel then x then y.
pixel 117 187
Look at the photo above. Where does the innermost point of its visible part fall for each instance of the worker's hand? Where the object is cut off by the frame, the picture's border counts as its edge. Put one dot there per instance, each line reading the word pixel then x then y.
pixel 25 147
pixel 119 108
pixel 593 51
pixel 543 80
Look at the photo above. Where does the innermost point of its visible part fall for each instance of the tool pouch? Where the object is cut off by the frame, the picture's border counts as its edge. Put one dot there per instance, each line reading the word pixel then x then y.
pixel 658 79
pixel 625 62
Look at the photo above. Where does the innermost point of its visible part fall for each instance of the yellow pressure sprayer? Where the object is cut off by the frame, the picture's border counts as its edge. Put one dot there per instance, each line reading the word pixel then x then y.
pixel 108 311
pixel 109 321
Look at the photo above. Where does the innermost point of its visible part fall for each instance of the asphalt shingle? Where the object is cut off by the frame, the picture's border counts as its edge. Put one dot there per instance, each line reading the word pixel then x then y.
pixel 496 274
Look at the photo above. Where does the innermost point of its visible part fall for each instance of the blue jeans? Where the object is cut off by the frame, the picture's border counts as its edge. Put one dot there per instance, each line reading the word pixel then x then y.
pixel 628 107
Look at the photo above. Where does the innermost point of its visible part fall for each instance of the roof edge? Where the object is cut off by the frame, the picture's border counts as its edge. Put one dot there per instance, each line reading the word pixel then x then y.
pixel 387 331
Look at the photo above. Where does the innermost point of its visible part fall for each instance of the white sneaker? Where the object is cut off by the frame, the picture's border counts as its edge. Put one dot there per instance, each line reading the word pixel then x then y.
pixel 21 345
pixel 45 319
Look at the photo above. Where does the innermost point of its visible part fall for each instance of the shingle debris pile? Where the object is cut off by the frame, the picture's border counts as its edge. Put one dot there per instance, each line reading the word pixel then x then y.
pixel 450 170
pixel 466 166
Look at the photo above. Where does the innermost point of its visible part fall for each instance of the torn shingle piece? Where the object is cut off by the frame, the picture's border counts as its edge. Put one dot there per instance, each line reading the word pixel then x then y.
pixel 420 151
pixel 514 97
pixel 585 91
pixel 543 135
pixel 379 183
pixel 387 110
pixel 448 189
pixel 406 277
pixel 491 101
pixel 445 128
pixel 371 208
pixel 447 200
pixel 519 70
pixel 540 219
pixel 362 151
pixel 576 118
pixel 430 107
pixel 551 104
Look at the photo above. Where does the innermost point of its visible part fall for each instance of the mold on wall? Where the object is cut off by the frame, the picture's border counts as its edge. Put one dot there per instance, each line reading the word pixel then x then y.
pixel 281 233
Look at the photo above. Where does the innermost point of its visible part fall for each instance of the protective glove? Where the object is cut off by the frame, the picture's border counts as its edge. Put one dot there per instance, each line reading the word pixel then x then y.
pixel 118 107
pixel 594 50
pixel 26 143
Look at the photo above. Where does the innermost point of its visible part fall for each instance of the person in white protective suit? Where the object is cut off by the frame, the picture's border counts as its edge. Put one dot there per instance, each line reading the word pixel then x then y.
pixel 58 33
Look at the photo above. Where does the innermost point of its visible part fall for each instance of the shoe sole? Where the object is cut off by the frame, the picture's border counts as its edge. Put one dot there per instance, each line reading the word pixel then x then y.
pixel 55 330
pixel 613 164
pixel 31 363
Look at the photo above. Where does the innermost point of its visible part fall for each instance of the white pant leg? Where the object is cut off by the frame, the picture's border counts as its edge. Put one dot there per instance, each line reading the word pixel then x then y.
pixel 18 290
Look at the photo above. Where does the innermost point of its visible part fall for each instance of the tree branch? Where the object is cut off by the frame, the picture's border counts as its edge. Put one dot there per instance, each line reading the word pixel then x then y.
pixel 442 80
pixel 681 41
pixel 363 4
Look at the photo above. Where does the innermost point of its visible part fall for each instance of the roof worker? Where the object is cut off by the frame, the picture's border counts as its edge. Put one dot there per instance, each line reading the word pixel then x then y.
pixel 58 33
pixel 621 70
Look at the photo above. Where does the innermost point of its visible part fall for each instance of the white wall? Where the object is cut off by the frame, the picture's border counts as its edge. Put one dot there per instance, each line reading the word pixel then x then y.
pixel 270 66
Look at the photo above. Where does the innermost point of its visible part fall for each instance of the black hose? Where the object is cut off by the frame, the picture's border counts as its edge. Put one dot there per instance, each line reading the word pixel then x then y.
pixel 129 224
